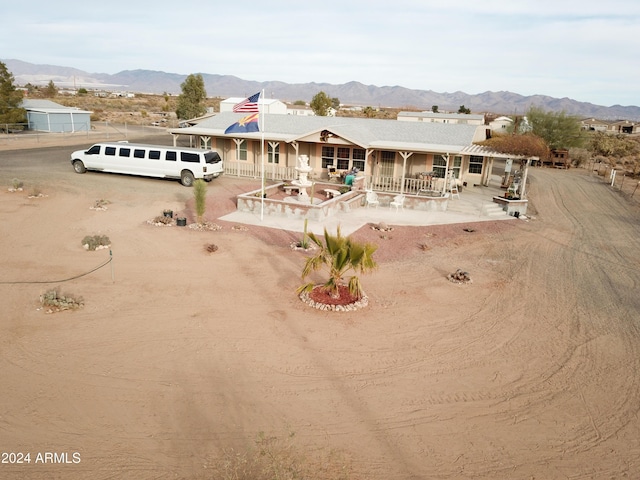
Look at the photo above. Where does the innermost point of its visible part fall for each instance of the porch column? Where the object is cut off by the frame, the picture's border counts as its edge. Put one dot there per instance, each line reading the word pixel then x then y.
pixel 487 173
pixel 524 178
pixel 405 156
pixel 205 140
pixel 369 153
pixel 296 147
pixel 273 146
pixel 238 141
pixel 445 180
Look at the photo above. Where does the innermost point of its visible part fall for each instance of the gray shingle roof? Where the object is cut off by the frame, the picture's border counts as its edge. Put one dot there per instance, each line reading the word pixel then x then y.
pixel 367 133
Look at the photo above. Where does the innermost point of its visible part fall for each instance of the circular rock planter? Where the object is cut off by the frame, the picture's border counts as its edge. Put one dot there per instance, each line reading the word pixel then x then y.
pixel 320 300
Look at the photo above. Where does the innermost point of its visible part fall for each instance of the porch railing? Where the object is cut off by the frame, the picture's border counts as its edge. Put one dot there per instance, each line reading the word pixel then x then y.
pixel 271 171
pixel 412 186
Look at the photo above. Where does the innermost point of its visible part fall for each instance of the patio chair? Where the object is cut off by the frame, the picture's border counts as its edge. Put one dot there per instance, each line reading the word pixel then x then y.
pixel 333 173
pixel 398 202
pixel 372 198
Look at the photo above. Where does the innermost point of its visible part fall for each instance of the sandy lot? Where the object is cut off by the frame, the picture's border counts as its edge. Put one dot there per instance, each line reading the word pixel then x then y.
pixel 530 372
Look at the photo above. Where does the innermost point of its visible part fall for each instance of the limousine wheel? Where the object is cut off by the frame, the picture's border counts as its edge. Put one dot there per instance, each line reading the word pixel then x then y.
pixel 186 178
pixel 78 166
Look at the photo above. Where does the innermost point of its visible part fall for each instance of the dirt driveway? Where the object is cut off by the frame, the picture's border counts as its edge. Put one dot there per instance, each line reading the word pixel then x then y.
pixel 531 371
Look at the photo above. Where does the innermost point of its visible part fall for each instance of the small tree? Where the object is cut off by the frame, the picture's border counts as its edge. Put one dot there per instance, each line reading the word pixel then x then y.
pixel 200 194
pixel 464 110
pixel 434 108
pixel 320 104
pixel 559 130
pixel 339 255
pixel 10 100
pixel 191 100
pixel 50 91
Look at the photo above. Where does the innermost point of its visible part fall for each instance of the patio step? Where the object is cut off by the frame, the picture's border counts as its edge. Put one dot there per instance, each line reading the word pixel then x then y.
pixel 467 208
pixel 493 210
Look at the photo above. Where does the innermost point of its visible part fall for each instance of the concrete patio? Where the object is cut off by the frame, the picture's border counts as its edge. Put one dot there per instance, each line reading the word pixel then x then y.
pixel 474 205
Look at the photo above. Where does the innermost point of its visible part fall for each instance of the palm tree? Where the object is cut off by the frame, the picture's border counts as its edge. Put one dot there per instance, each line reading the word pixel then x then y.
pixel 339 254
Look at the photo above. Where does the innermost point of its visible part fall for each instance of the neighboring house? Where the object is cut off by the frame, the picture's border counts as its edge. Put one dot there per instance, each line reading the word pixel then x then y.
pixel 624 126
pixel 594 125
pixel 455 118
pixel 48 116
pixel 302 110
pixel 268 105
pixel 501 124
pixel 385 151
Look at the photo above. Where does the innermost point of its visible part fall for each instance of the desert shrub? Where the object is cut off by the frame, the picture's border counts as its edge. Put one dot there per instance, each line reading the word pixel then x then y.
pixel 16 183
pixel 211 247
pixel 200 194
pixel 95 242
pixel 163 219
pixel 53 301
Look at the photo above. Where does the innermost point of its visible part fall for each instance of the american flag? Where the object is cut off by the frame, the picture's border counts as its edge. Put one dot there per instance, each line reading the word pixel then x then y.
pixel 248 104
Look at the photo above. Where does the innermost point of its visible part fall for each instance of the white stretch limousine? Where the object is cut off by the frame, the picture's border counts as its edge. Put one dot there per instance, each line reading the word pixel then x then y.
pixel 187 164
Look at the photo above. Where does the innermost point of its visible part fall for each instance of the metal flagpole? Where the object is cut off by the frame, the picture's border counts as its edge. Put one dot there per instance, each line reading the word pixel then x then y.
pixel 261 113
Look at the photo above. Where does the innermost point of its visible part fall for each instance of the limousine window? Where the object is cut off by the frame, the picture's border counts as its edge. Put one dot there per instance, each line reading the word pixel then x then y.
pixel 212 157
pixel 125 152
pixel 138 153
pixel 95 150
pixel 109 150
pixel 154 154
pixel 190 157
pixel 171 156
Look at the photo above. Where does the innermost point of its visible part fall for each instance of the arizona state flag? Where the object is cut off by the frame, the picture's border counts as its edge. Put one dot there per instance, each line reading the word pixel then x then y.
pixel 245 125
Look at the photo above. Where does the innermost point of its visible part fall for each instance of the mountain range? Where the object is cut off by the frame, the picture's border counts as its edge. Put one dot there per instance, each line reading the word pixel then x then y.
pixel 351 93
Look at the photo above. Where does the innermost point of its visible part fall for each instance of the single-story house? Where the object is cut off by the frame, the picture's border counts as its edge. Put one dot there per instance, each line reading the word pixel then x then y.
pixel 594 125
pixel 501 124
pixel 391 155
pixel 301 110
pixel 48 116
pixel 624 126
pixel 435 117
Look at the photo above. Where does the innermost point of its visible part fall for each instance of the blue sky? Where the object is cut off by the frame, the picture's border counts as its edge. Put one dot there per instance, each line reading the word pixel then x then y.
pixel 582 49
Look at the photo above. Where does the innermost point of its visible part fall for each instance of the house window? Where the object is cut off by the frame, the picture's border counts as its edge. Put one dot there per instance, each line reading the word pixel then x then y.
pixel 457 163
pixel 359 158
pixel 439 166
pixel 273 154
pixel 343 158
pixel 241 150
pixel 475 164
pixel 387 161
pixel 327 156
